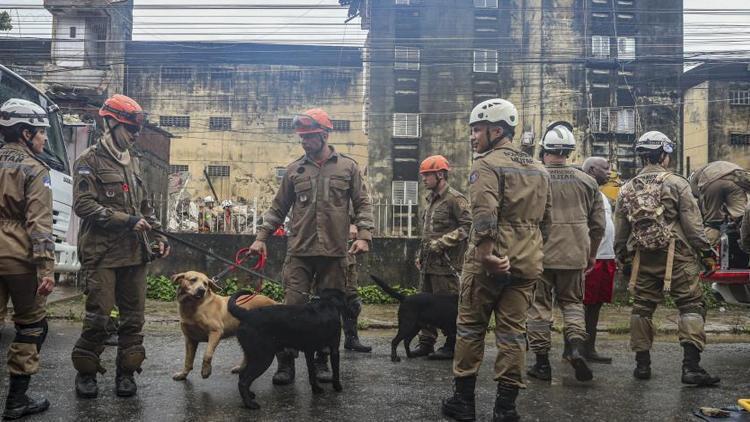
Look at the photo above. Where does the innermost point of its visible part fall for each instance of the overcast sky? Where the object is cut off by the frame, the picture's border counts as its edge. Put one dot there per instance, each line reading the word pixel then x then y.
pixel 709 31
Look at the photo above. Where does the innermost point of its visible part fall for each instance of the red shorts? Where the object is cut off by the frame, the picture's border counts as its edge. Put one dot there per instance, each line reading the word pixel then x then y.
pixel 600 282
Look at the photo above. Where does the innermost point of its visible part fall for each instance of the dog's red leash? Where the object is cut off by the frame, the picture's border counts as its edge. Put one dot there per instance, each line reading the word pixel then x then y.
pixel 241 256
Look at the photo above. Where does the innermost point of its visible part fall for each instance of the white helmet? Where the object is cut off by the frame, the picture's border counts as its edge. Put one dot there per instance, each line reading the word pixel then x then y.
pixel 654 140
pixel 208 199
pixel 16 111
pixel 495 110
pixel 559 136
pixel 226 203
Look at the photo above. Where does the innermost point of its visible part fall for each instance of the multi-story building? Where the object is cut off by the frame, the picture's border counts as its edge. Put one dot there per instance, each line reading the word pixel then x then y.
pixel 610 67
pixel 716 115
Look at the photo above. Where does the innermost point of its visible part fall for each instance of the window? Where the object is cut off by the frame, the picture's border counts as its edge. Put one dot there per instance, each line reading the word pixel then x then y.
pixel 625 16
pixel 739 97
pixel 221 73
pixel 341 125
pixel 220 123
pixel 599 120
pixel 406 125
pixel 625 2
pixel 217 171
pixel 175 74
pixel 174 121
pixel 72 32
pixel 285 125
pixel 600 15
pixel 625 120
pixel 406 58
pixel 485 61
pixel 485 4
pixel 739 139
pixel 290 75
pixel 404 192
pixel 600 46
pixel 280 173
pixel 626 48
pixel 177 168
pixel 402 2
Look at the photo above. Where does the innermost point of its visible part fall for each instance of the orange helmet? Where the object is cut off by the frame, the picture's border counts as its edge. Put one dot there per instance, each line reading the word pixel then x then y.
pixel 314 120
pixel 124 110
pixel 434 163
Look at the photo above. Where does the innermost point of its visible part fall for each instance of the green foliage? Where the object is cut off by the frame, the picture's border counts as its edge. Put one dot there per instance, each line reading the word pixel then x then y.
pixel 374 295
pixel 160 288
pixel 5 24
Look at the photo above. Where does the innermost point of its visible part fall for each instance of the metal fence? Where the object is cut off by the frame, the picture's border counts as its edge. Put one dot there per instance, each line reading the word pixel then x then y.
pixel 185 215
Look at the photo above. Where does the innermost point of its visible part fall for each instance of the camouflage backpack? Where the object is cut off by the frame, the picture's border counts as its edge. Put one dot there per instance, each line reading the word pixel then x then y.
pixel 641 201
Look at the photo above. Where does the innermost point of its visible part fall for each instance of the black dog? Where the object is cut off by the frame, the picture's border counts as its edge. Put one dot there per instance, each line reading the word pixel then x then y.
pixel 311 327
pixel 419 311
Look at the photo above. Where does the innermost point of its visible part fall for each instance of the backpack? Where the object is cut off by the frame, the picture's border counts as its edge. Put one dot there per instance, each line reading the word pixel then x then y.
pixel 641 201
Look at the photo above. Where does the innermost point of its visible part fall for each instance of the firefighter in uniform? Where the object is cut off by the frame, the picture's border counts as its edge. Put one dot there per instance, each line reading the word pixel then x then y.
pixel 445 230
pixel 574 236
pixel 719 189
pixel 510 208
pixel 27 248
pixel 318 188
pixel 673 269
pixel 113 247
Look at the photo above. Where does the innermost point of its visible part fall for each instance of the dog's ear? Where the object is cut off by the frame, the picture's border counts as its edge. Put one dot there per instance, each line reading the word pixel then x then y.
pixel 213 286
pixel 176 278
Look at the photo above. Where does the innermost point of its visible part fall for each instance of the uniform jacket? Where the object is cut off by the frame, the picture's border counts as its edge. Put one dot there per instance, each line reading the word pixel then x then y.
pixel 680 208
pixel 511 203
pixel 447 219
pixel 715 184
pixel 577 218
pixel 26 242
pixel 107 196
pixel 319 198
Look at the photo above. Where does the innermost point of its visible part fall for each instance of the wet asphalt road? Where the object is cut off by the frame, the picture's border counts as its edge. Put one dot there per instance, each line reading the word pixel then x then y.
pixel 376 389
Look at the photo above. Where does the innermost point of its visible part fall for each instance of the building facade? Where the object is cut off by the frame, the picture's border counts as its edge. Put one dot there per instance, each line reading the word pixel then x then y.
pixel 716 115
pixel 610 67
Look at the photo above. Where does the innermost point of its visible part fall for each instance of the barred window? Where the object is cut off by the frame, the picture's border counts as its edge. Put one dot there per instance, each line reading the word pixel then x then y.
pixel 221 73
pixel 177 168
pixel 739 139
pixel 217 171
pixel 485 4
pixel 285 125
pixel 406 58
pixel 174 121
pixel 485 61
pixel 220 123
pixel 176 74
pixel 341 125
pixel 406 125
pixel 626 48
pixel 739 97
pixel 404 192
pixel 600 46
pixel 599 120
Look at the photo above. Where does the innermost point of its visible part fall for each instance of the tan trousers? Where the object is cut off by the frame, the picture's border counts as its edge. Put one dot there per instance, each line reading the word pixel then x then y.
pixel 29 318
pixel 301 273
pixel 481 297
pixel 439 284
pixel 565 288
pixel 686 292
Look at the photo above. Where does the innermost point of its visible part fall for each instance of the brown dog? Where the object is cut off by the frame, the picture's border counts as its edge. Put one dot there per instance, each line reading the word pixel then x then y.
pixel 204 317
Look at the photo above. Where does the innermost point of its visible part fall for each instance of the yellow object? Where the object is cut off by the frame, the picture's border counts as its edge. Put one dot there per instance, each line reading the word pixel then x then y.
pixel 744 403
pixel 612 188
pixel 115 313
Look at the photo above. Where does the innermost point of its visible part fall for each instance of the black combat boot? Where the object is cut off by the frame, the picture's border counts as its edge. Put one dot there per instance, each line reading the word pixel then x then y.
pixel 460 406
pixel 505 404
pixel 642 369
pixel 19 404
pixel 285 371
pixel 445 352
pixel 592 320
pixel 351 339
pixel 125 383
pixel 86 387
pixel 541 369
pixel 321 368
pixel 423 349
pixel 578 362
pixel 692 373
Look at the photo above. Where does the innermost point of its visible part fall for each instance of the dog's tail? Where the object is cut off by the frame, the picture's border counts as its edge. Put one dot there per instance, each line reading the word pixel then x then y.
pixel 236 310
pixel 388 289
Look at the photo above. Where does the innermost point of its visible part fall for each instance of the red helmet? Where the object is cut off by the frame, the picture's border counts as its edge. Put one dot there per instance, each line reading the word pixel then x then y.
pixel 314 120
pixel 124 110
pixel 434 163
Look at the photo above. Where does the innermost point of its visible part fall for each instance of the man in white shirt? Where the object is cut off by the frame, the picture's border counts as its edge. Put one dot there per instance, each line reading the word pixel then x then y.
pixel 600 278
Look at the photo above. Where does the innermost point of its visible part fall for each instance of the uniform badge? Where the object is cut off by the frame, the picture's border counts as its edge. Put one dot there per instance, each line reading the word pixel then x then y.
pixel 84 170
pixel 110 193
pixel 300 170
pixel 303 197
pixel 473 177
pixel 47 182
pixel 125 187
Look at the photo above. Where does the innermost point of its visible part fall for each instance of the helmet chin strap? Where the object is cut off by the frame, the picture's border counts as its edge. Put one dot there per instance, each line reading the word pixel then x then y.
pixel 322 144
pixel 29 142
pixel 118 143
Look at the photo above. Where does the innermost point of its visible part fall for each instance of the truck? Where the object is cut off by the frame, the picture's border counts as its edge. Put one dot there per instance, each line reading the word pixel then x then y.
pixel 55 156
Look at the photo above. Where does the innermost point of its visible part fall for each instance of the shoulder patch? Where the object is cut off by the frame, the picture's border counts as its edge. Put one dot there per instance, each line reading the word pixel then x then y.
pixel 84 170
pixel 47 182
pixel 473 177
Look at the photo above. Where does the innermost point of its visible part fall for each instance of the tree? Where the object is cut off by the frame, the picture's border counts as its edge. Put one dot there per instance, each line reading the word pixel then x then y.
pixel 5 24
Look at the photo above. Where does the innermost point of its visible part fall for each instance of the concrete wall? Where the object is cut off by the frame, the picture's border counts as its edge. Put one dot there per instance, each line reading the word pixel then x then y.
pixel 695 127
pixel 725 119
pixel 392 259
pixel 67 51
